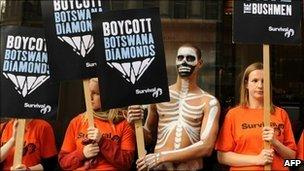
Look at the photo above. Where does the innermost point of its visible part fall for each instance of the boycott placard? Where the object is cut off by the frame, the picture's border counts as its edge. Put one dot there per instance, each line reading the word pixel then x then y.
pixel 133 68
pixel 267 21
pixel 71 45
pixel 26 87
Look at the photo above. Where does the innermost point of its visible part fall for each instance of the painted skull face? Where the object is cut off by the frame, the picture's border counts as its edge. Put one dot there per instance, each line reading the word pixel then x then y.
pixel 186 61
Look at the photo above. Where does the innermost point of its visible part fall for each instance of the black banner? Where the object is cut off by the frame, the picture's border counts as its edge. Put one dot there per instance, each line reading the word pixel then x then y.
pixel 71 45
pixel 26 87
pixel 133 67
pixel 267 21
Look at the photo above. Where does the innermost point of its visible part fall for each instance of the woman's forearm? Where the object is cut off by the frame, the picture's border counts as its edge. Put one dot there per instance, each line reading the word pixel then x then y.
pixel 5 148
pixel 235 159
pixel 283 151
pixel 37 167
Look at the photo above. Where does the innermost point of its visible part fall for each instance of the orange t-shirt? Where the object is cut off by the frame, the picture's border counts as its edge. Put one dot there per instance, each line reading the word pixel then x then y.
pixel 242 133
pixel 39 142
pixel 121 133
pixel 300 153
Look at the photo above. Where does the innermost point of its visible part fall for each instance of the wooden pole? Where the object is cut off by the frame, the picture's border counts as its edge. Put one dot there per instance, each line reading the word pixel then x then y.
pixel 266 91
pixel 89 111
pixel 140 138
pixel 19 142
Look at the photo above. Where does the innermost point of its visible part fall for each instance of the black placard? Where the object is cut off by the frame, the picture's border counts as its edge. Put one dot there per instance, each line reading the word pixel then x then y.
pixel 267 21
pixel 27 90
pixel 71 45
pixel 133 67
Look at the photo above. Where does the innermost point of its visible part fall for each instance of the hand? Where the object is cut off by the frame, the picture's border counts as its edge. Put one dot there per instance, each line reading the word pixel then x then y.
pixel 90 150
pixel 94 134
pixel 268 134
pixel 265 157
pixel 19 167
pixel 134 113
pixel 149 161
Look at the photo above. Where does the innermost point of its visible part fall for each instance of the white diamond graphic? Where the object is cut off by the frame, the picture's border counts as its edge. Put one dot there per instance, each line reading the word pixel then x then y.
pixel 82 45
pixel 144 65
pixel 132 72
pixel 127 68
pixel 26 84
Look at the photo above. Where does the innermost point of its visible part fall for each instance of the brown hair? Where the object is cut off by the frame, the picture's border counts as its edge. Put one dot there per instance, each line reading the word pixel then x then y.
pixel 244 94
pixel 196 48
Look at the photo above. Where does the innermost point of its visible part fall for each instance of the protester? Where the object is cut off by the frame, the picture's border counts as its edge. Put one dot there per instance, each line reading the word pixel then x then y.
pixel 39 151
pixel 240 142
pixel 186 127
pixel 110 145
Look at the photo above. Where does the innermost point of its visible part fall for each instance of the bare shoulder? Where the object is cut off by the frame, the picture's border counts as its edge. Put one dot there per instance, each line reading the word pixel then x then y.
pixel 208 98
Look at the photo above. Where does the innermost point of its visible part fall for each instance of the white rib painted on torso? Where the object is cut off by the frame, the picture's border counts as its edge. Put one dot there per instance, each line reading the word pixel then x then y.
pixel 178 115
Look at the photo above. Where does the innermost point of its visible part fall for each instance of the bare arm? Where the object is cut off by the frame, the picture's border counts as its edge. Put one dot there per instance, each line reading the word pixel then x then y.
pixel 284 152
pixel 37 167
pixel 23 167
pixel 5 148
pixel 150 127
pixel 234 159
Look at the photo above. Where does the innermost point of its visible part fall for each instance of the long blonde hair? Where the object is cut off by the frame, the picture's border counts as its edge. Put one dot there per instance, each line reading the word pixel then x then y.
pixel 244 94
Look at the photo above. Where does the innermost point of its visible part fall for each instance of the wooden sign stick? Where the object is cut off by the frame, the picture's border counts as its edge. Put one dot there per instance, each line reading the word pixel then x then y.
pixel 19 142
pixel 140 138
pixel 89 111
pixel 266 91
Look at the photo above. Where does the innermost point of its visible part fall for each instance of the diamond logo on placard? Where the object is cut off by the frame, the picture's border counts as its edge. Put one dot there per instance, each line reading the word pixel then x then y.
pixel 132 71
pixel 82 45
pixel 26 84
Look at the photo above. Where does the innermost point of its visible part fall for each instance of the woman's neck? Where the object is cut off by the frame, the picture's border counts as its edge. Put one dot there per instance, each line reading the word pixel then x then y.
pixel 255 103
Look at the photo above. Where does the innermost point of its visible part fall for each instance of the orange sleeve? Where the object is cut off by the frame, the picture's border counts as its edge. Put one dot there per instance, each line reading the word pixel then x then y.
pixel 69 142
pixel 300 152
pixel 48 142
pixel 128 138
pixel 225 141
pixel 4 136
pixel 69 157
pixel 120 155
pixel 289 140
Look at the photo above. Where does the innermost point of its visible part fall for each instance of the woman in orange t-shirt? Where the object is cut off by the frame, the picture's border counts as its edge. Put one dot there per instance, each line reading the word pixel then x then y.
pixel 110 145
pixel 240 142
pixel 39 151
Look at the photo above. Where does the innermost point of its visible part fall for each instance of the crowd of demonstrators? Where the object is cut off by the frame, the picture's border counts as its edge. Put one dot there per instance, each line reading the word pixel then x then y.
pixel 184 130
pixel 240 141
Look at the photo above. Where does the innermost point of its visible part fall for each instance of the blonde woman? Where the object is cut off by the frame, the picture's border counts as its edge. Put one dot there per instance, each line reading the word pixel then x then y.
pixel 110 145
pixel 240 142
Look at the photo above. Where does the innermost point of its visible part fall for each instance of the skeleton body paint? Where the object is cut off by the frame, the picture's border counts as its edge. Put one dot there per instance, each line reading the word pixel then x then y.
pixel 180 123
pixel 188 124
pixel 186 61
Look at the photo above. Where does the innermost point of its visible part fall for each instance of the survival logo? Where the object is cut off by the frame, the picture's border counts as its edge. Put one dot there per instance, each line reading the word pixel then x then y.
pixel 26 87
